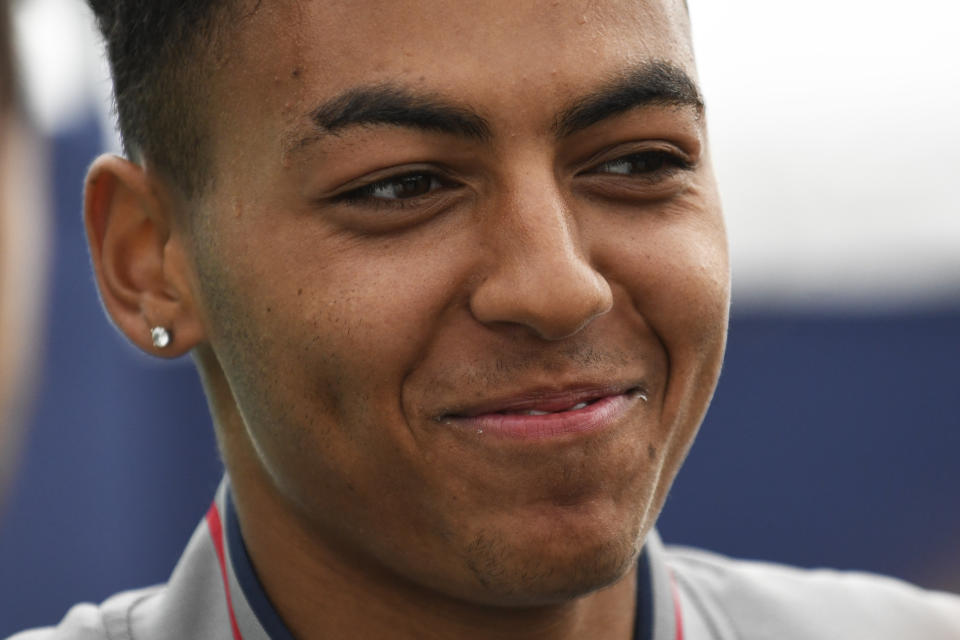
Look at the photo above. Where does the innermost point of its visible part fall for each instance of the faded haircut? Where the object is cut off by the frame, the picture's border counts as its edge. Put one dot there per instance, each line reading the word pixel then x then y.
pixel 161 55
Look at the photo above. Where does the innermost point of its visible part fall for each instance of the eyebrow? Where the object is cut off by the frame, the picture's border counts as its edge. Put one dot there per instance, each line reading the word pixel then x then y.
pixel 650 83
pixel 653 83
pixel 391 105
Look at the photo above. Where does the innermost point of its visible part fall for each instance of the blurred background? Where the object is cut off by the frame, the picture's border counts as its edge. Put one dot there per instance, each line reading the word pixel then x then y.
pixel 834 436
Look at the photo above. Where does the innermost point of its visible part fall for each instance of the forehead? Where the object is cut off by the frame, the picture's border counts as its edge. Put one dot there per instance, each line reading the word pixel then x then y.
pixel 374 31
pixel 512 56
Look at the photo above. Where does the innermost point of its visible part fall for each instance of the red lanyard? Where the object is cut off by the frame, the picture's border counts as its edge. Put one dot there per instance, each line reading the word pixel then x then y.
pixel 216 532
pixel 677 610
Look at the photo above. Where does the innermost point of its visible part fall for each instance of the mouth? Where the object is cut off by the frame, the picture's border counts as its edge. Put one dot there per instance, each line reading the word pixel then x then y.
pixel 548 414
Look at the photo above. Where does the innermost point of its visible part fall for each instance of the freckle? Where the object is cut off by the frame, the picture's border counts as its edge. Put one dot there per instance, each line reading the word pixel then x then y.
pixel 269 309
pixel 296 72
pixel 652 452
pixel 299 292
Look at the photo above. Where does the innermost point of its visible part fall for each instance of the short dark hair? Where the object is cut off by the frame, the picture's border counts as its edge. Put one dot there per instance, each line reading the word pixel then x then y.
pixel 160 53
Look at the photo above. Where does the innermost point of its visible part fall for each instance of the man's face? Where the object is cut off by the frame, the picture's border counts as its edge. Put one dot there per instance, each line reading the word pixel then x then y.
pixel 431 223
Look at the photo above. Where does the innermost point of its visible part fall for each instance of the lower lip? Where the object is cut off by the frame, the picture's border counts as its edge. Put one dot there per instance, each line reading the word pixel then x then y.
pixel 594 417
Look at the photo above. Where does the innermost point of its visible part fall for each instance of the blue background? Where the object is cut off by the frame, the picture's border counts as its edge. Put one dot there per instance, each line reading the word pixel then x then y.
pixel 832 441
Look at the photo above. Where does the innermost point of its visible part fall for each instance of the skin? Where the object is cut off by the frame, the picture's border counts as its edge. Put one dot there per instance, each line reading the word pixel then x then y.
pixel 340 339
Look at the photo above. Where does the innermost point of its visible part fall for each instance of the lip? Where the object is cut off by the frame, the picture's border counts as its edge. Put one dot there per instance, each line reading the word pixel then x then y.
pixel 604 407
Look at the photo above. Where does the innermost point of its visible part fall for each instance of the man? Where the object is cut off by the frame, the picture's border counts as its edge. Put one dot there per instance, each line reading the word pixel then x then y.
pixel 456 281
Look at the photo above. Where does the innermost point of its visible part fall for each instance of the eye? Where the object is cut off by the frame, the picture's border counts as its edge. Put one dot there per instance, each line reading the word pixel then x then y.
pixel 394 198
pixel 395 189
pixel 644 163
pixel 644 175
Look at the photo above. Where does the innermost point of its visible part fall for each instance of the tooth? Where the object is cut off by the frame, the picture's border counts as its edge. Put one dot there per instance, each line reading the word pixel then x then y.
pixel 534 412
pixel 580 405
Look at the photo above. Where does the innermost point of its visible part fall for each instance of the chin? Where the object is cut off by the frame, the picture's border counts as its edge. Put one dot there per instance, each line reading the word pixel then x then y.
pixel 563 564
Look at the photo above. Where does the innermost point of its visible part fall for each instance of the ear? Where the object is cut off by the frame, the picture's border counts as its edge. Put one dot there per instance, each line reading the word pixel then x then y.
pixel 139 257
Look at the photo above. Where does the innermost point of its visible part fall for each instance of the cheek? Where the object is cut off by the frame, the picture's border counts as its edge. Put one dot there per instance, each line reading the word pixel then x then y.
pixel 675 270
pixel 316 338
pixel 691 306
pixel 677 274
pixel 374 311
pixel 675 267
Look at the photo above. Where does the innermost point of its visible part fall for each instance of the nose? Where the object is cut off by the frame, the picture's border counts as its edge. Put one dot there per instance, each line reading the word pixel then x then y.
pixel 539 274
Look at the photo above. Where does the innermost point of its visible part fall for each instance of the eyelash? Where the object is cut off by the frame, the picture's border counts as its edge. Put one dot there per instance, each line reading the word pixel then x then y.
pixel 664 163
pixel 366 194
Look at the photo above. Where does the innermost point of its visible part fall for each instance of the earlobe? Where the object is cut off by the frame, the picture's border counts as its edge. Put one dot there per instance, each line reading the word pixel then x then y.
pixel 138 257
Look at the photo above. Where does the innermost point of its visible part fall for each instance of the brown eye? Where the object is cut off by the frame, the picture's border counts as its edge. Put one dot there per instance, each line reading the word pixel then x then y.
pixel 405 187
pixel 412 186
pixel 647 162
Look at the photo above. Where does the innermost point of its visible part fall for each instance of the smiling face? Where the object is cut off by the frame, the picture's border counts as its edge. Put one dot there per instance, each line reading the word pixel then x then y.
pixel 464 281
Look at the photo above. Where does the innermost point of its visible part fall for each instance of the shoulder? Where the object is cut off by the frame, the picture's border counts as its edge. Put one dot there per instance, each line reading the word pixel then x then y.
pixel 764 600
pixel 110 620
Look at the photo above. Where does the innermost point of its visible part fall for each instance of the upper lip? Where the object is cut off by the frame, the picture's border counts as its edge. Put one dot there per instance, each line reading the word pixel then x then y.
pixel 543 399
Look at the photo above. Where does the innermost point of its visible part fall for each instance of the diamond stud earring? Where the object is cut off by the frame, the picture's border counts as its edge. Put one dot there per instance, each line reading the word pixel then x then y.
pixel 160 336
